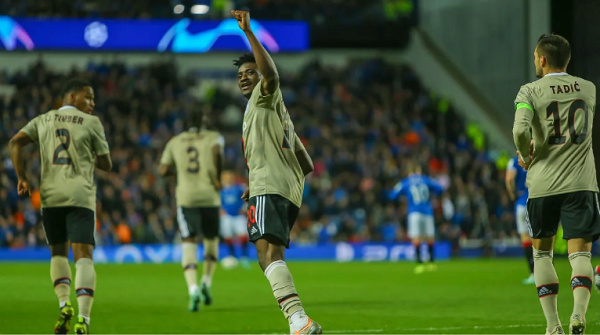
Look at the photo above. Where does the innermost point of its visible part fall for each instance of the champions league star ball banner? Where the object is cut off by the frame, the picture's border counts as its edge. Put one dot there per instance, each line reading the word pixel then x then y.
pixel 177 36
pixel 168 253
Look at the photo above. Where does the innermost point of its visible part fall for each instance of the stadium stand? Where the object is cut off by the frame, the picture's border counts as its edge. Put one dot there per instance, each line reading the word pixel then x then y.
pixel 360 123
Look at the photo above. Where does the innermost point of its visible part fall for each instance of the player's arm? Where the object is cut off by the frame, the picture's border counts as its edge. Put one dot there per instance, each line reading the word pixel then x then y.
pixel 100 146
pixel 522 125
pixel 435 186
pixel 264 62
pixel 396 191
pixel 167 162
pixel 103 162
pixel 16 145
pixel 509 180
pixel 303 157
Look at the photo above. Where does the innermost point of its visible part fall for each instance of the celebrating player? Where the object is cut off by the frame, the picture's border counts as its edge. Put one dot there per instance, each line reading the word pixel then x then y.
pixel 277 163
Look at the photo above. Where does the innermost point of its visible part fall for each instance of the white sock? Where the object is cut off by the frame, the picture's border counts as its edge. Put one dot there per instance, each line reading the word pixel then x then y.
pixel 62 304
pixel 86 318
pixel 298 319
pixel 193 289
pixel 206 279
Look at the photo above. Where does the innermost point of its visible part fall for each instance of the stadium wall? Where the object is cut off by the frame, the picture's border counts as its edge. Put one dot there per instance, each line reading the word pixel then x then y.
pixel 491 42
pixel 165 253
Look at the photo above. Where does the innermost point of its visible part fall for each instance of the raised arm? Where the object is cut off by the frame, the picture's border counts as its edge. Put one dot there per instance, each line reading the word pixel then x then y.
pixel 264 62
pixel 15 146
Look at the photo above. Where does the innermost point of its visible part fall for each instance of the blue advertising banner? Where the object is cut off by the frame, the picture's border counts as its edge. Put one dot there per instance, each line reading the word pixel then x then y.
pixel 177 36
pixel 165 253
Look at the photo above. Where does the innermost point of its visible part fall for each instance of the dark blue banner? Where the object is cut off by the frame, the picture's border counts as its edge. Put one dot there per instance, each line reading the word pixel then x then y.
pixel 178 36
pixel 166 253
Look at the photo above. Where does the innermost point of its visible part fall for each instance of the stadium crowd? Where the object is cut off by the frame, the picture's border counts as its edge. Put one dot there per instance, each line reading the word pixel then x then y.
pixel 361 123
pixel 315 11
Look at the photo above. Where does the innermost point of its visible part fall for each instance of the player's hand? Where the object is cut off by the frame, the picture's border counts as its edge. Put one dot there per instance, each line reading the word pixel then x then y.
pixel 243 19
pixel 246 195
pixel 523 164
pixel 218 185
pixel 23 187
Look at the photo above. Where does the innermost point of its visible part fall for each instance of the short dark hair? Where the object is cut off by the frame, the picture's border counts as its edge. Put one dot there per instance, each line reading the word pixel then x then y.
pixel 74 85
pixel 194 118
pixel 245 58
pixel 556 49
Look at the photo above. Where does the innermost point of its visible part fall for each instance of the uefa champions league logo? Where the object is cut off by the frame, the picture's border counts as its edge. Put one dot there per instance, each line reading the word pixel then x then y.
pixel 11 32
pixel 95 34
pixel 182 40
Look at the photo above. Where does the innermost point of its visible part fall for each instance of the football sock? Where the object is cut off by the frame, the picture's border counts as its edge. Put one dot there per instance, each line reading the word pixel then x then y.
pixel 60 273
pixel 283 288
pixel 581 280
pixel 244 242
pixel 211 254
pixel 189 262
pixel 546 281
pixel 85 284
pixel 230 247
pixel 528 250
pixel 430 249
pixel 418 252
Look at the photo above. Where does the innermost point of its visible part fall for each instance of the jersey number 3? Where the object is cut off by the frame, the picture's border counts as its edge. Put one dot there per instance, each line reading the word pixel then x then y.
pixel 63 146
pixel 194 164
pixel 557 138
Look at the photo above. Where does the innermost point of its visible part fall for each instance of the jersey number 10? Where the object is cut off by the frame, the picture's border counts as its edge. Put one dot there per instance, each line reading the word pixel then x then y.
pixel 553 111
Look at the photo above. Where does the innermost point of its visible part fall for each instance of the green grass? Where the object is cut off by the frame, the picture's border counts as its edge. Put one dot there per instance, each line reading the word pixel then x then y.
pixel 462 296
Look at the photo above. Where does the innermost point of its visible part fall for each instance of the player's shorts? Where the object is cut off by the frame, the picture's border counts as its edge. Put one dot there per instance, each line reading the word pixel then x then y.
pixel 195 220
pixel 420 225
pixel 271 214
pixel 74 224
pixel 521 218
pixel 233 226
pixel 578 212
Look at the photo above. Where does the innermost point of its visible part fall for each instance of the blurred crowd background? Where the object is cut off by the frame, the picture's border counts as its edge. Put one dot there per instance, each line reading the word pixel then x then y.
pixel 361 123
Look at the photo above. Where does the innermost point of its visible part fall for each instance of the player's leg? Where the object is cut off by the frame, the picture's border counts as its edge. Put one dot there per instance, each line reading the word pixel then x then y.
pixel 210 230
pixel 579 217
pixel 429 236
pixel 543 216
pixel 521 219
pixel 414 233
pixel 227 233
pixel 188 221
pixel 53 222
pixel 242 237
pixel 81 223
pixel 270 219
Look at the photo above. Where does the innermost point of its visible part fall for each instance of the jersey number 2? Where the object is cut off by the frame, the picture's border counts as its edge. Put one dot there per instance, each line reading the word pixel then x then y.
pixel 194 165
pixel 553 111
pixel 63 146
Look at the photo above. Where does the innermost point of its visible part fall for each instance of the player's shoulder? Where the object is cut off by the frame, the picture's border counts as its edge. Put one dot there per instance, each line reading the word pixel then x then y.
pixel 210 132
pixel 584 83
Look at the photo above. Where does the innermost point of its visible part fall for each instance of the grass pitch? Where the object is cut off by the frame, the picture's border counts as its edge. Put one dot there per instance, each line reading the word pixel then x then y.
pixel 462 296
